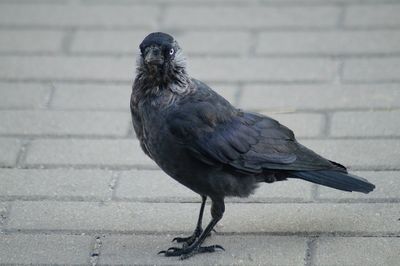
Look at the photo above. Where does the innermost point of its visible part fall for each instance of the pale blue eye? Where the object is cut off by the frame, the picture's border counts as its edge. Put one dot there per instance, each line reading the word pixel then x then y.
pixel 171 52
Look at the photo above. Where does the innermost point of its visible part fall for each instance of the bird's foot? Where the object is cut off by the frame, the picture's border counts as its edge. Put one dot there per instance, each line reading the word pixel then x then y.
pixel 190 239
pixel 188 251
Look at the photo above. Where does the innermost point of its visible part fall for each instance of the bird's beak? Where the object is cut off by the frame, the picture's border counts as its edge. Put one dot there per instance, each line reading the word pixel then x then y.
pixel 154 56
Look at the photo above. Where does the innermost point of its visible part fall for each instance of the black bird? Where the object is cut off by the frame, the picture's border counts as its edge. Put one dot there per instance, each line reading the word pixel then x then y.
pixel 203 142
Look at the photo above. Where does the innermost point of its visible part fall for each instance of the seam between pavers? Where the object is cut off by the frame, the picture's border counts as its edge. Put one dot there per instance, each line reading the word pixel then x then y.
pixel 23 151
pixel 150 167
pixel 310 251
pixel 67 40
pixel 194 199
pixel 96 232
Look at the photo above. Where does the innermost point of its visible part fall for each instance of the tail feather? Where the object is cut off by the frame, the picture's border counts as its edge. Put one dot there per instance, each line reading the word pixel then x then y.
pixel 336 179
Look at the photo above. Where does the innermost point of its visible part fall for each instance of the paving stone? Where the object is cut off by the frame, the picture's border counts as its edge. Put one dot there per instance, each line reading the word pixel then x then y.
pixel 87 152
pixel 373 123
pixel 181 217
pixel 3 213
pixel 65 123
pixel 12 146
pixel 55 68
pixel 215 42
pixel 251 17
pixel 369 251
pixel 30 40
pixel 91 96
pixel 261 69
pixel 359 153
pixel 121 69
pixel 239 250
pixel 329 42
pixel 78 15
pixel 157 186
pixel 372 15
pixel 28 183
pixel 44 249
pixel 302 124
pixel 108 41
pixel 386 182
pixel 372 69
pixel 22 95
pixel 315 97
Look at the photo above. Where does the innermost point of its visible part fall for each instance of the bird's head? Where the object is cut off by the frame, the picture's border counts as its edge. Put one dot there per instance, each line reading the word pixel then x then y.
pixel 159 51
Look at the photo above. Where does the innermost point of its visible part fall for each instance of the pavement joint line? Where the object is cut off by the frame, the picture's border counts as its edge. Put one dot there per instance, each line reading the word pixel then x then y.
pixel 153 167
pixel 238 94
pixel 342 15
pixel 50 96
pixel 195 28
pixel 67 40
pixel 190 200
pixel 113 184
pixel 310 250
pixel 234 102
pixel 96 250
pixel 125 137
pixel 314 192
pixel 162 11
pixel 12 231
pixel 220 55
pixel 25 143
pixel 326 126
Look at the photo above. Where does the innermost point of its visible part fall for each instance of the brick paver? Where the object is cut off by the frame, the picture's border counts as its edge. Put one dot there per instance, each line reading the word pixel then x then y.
pixel 75 187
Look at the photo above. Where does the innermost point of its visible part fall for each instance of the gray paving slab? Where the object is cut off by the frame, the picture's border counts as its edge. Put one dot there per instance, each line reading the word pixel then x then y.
pixel 215 42
pixel 21 40
pixel 261 69
pixel 110 41
pixel 91 96
pixel 65 123
pixel 372 15
pixel 369 251
pixel 55 68
pixel 329 42
pixel 303 124
pixel 22 95
pixel 156 186
pixel 305 218
pixel 9 151
pixel 55 183
pixel 252 17
pixel 320 96
pixel 44 249
pixel 386 182
pixel 118 152
pixel 371 69
pixel 78 15
pixel 359 153
pixel 239 250
pixel 372 123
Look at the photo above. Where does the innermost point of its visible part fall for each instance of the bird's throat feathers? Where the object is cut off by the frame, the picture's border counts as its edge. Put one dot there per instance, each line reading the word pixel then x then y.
pixel 161 81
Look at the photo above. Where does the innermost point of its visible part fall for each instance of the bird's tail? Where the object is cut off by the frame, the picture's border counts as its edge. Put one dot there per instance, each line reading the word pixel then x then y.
pixel 336 179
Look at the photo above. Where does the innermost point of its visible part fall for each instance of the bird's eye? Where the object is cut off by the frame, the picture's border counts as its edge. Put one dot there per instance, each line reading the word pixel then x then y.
pixel 172 51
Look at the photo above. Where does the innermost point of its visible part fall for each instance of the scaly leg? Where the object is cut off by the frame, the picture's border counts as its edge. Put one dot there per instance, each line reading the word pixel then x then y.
pixel 217 211
pixel 197 232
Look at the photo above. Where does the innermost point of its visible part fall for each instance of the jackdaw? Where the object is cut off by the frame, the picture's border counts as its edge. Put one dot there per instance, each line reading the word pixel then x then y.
pixel 216 150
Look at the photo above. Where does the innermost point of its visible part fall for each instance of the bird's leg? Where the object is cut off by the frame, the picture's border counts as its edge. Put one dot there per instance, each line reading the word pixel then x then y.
pixel 197 232
pixel 217 211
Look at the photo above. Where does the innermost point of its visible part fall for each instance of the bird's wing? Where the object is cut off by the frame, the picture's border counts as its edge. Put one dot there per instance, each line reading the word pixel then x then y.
pixel 216 133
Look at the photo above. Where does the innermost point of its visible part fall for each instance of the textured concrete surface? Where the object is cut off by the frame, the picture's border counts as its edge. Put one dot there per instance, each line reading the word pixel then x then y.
pixel 75 188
